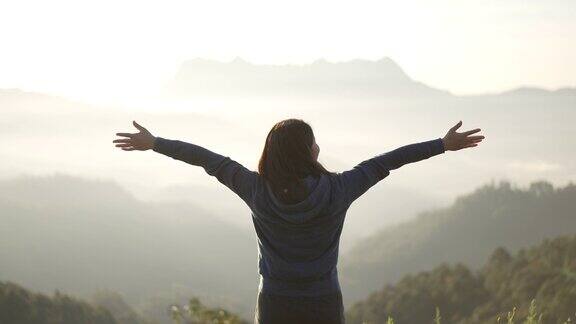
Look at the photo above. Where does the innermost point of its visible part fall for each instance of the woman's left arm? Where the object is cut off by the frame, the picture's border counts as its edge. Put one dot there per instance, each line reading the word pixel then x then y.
pixel 228 172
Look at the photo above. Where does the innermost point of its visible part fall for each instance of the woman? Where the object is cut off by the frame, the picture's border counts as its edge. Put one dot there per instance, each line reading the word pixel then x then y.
pixel 298 210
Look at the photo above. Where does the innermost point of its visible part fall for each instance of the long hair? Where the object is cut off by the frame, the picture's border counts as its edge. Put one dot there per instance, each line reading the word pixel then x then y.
pixel 287 159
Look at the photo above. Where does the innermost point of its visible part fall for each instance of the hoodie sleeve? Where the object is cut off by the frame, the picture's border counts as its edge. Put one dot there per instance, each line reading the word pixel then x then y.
pixel 228 172
pixel 367 173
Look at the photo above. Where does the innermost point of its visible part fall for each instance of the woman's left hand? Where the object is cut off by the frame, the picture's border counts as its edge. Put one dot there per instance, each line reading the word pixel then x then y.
pixel 141 141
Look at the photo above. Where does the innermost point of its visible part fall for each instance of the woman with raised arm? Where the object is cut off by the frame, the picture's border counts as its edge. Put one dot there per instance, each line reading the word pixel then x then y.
pixel 298 210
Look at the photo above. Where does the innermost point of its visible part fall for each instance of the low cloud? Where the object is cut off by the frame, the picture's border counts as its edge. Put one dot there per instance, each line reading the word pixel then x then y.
pixel 534 166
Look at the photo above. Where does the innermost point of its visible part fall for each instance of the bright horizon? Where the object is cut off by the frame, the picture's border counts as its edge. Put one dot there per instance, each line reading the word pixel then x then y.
pixel 109 51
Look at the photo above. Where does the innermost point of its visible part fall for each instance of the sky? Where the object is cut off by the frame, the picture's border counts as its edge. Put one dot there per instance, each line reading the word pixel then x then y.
pixel 113 49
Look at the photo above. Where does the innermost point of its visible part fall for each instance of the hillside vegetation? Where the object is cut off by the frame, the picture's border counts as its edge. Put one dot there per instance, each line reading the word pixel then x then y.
pixel 467 232
pixel 18 305
pixel 79 235
pixel 545 273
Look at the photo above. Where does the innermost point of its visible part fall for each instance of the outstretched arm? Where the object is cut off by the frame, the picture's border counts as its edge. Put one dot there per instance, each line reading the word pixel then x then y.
pixel 228 172
pixel 366 174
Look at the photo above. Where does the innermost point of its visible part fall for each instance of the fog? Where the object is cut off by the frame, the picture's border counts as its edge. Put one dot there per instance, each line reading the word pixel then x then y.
pixel 527 137
pixel 357 109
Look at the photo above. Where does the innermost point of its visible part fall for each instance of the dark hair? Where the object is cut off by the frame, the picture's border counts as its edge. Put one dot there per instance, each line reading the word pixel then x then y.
pixel 287 159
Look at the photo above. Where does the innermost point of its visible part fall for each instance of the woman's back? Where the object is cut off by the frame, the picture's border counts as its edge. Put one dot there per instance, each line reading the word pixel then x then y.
pixel 298 243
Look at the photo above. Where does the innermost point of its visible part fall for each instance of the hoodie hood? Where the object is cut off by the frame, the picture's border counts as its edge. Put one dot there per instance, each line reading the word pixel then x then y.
pixel 307 209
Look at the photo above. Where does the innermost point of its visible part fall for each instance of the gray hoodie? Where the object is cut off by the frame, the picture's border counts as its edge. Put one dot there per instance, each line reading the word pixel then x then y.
pixel 298 243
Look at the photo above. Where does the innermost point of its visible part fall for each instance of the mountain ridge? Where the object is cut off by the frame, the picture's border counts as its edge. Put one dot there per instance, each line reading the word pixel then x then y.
pixel 238 76
pixel 542 272
pixel 478 221
pixel 356 76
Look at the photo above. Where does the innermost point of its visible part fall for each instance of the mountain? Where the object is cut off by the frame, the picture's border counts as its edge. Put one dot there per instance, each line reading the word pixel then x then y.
pixel 381 78
pixel 535 91
pixel 20 101
pixel 542 277
pixel 358 78
pixel 21 306
pixel 81 235
pixel 467 232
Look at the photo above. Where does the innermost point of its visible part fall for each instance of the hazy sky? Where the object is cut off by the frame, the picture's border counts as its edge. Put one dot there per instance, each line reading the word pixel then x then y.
pixel 117 48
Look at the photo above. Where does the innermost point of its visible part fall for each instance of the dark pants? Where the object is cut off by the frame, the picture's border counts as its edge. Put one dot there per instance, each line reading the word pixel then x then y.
pixel 278 309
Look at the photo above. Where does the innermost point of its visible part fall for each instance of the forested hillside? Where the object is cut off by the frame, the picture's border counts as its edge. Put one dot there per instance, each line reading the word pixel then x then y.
pixel 546 273
pixel 20 306
pixel 80 235
pixel 467 231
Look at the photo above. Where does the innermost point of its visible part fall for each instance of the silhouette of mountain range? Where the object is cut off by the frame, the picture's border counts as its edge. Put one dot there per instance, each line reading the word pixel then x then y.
pixel 80 235
pixel 535 91
pixel 239 77
pixel 466 231
pixel 383 77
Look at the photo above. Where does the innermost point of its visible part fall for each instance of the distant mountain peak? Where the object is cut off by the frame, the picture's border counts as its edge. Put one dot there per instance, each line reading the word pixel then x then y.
pixel 239 60
pixel 386 59
pixel 536 91
pixel 320 61
pixel 360 77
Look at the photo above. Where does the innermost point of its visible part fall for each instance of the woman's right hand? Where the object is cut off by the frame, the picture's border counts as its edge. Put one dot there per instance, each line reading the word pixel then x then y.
pixel 454 141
